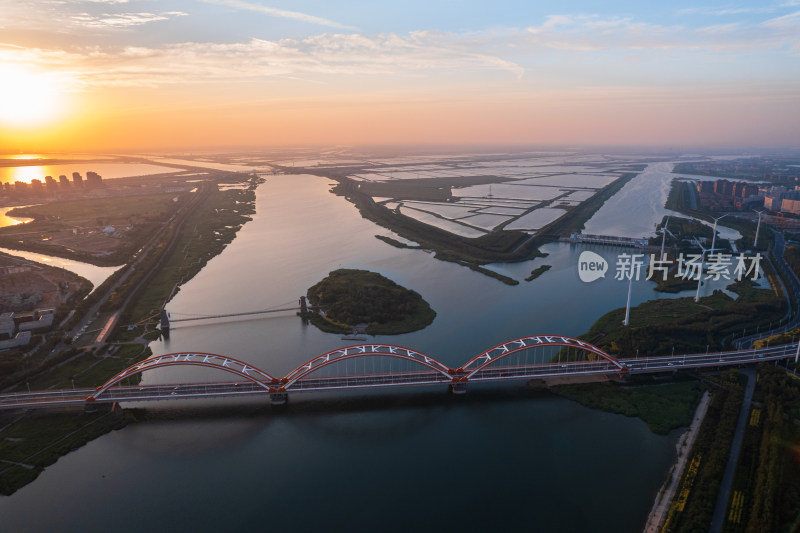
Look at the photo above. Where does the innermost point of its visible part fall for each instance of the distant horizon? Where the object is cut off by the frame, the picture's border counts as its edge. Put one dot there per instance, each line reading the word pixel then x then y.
pixel 432 149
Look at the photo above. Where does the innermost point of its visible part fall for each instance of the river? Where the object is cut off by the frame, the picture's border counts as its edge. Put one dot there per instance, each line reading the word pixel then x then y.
pixel 498 458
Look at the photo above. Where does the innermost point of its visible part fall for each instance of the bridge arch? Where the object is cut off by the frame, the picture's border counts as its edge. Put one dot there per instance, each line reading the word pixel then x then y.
pixel 209 360
pixel 364 350
pixel 494 354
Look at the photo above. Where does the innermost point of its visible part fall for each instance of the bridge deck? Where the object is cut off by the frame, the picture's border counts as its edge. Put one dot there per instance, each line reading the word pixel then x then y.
pixel 644 365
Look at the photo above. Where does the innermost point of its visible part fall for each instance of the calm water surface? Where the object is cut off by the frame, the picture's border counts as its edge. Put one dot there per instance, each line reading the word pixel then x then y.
pixel 106 170
pixel 496 459
pixel 638 208
pixel 95 274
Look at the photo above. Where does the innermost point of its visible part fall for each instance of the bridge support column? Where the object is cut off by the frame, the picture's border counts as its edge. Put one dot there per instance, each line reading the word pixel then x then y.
pixel 278 398
pixel 165 323
pixel 102 407
pixel 458 387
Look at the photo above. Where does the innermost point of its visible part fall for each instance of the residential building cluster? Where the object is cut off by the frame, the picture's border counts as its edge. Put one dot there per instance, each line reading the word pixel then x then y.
pixel 783 200
pixel 724 193
pixel 51 186
pixel 762 169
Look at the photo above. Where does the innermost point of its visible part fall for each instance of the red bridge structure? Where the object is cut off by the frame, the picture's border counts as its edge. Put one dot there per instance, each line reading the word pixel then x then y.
pixel 379 365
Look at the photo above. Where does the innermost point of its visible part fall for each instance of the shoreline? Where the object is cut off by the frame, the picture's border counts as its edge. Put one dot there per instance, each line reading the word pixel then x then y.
pixel 659 511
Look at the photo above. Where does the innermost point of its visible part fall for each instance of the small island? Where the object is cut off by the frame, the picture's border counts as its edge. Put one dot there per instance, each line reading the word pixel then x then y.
pixel 350 300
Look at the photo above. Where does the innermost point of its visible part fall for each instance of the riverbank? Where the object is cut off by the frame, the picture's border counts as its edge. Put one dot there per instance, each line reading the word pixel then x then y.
pixel 30 443
pixel 665 496
pixel 498 246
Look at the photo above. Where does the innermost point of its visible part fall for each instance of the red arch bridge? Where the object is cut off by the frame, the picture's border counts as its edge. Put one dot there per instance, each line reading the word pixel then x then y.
pixel 385 365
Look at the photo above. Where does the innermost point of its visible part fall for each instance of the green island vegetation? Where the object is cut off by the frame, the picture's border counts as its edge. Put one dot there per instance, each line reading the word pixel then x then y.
pixel 663 406
pixel 349 297
pixel 659 326
pixel 500 245
pixel 179 252
pixel 694 500
pixel 536 272
pixel 395 242
pixel 765 495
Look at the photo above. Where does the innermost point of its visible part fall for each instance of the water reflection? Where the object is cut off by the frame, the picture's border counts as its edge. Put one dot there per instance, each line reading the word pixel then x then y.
pixel 93 273
pixel 638 208
pixel 6 220
pixel 106 170
pixel 405 458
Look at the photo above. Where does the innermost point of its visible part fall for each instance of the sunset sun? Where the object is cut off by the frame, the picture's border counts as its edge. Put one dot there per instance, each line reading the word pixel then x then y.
pixel 27 98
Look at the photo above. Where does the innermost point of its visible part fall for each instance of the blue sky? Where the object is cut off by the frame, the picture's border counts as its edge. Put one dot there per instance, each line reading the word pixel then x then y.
pixel 535 59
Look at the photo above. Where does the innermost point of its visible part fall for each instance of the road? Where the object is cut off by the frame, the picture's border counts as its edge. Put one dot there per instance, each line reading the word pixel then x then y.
pixel 723 496
pixel 589 369
pixel 792 295
pixel 176 220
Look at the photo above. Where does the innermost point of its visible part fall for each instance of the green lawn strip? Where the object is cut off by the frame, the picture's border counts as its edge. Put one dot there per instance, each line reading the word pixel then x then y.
pixel 89 369
pixel 694 501
pixel 769 466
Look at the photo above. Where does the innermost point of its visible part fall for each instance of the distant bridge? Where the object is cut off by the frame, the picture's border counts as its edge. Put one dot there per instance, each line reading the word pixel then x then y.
pixel 610 240
pixel 223 315
pixel 386 365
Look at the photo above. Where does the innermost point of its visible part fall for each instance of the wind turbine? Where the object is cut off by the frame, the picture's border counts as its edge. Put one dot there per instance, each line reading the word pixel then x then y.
pixel 664 232
pixel 714 238
pixel 628 304
pixel 700 272
pixel 626 320
pixel 758 227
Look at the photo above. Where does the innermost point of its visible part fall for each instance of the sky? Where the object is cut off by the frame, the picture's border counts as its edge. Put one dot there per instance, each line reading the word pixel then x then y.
pixel 133 75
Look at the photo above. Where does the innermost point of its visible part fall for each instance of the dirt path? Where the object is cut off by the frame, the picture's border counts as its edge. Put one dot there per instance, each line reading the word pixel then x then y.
pixel 661 506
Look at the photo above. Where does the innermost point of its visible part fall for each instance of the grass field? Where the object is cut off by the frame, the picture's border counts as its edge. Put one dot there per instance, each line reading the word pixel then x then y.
pixel 659 326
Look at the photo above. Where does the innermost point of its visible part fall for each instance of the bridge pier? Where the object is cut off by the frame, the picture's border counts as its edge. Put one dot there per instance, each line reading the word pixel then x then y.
pixel 102 407
pixel 458 387
pixel 278 398
pixel 165 323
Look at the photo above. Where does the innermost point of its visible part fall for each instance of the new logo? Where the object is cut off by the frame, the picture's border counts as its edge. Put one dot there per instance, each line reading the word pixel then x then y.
pixel 591 266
